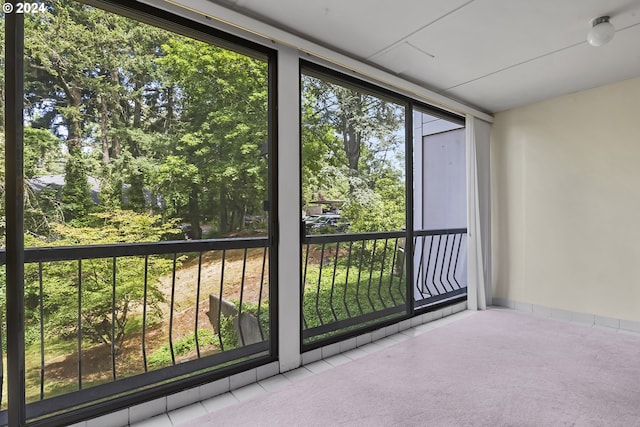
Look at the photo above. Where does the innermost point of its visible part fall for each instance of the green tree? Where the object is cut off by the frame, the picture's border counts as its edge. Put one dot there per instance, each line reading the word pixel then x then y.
pixel 59 73
pixel 366 126
pixel 98 96
pixel 381 208
pixel 353 150
pixel 42 154
pixel 104 315
pixel 223 128
pixel 140 108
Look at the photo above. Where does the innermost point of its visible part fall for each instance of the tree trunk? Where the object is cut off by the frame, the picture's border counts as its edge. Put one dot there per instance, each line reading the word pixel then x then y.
pixel 168 122
pixel 243 213
pixel 137 106
pixel 224 213
pixel 351 139
pixel 74 137
pixel 104 129
pixel 194 214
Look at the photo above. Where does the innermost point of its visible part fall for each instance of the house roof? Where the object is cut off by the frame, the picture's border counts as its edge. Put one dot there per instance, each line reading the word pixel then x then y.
pixel 55 182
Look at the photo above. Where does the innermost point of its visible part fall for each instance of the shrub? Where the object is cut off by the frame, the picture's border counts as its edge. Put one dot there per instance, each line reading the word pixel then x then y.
pixel 162 356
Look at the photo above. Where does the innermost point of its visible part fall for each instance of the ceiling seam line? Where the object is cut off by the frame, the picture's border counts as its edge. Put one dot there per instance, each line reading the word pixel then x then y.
pixel 527 61
pixel 513 66
pixel 420 50
pixel 402 39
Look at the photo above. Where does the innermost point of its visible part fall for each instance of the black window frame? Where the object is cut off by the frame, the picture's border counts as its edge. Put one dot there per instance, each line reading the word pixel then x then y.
pixel 49 411
pixel 313 69
pixel 349 79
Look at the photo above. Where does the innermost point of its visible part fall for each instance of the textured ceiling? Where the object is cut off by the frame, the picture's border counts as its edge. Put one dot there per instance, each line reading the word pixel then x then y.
pixel 492 54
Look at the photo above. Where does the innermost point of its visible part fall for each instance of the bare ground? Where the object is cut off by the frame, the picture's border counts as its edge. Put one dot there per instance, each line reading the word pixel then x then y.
pixel 96 360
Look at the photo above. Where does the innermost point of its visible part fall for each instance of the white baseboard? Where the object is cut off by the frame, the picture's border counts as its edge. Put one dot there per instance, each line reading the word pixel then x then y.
pixel 570 316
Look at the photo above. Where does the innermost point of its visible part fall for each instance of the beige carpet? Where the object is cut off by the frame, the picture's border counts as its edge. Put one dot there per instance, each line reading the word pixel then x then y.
pixel 495 368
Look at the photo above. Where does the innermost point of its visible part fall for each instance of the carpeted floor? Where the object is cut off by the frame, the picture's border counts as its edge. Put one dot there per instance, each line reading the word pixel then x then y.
pixel 494 368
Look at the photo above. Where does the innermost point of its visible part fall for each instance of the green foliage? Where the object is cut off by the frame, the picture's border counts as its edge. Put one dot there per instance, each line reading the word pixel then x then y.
pixel 215 160
pixel 228 332
pixel 104 316
pixel 41 157
pixel 352 150
pixel 118 226
pixel 382 208
pixel 353 291
pixel 76 194
pixel 175 176
pixel 162 356
pixel 41 152
pixel 166 123
pixel 41 209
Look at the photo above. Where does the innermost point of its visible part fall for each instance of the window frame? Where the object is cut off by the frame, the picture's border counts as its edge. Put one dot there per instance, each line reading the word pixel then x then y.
pixel 343 78
pixel 95 403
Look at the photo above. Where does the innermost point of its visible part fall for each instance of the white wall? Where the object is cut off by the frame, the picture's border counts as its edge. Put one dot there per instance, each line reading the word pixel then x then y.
pixel 566 202
pixel 444 180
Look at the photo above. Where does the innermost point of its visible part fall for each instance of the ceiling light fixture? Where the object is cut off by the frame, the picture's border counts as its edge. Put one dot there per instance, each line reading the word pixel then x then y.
pixel 602 31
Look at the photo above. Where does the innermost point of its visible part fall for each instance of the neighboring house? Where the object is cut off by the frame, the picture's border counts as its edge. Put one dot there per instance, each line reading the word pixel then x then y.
pixel 56 182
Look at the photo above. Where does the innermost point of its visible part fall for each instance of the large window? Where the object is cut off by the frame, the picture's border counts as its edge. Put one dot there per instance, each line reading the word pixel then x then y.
pixel 440 207
pixel 354 204
pixel 147 204
pixel 353 157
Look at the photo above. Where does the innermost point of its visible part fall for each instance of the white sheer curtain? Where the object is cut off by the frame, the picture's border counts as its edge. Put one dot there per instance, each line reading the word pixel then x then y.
pixel 478 214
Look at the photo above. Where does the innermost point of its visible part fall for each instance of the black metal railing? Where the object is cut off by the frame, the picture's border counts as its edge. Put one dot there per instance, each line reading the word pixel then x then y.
pixel 351 280
pixel 440 262
pixel 135 315
pixel 119 318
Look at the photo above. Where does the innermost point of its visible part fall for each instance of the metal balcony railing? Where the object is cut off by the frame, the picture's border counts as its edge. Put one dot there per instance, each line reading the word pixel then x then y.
pixel 351 281
pixel 440 265
pixel 170 310
pixel 138 315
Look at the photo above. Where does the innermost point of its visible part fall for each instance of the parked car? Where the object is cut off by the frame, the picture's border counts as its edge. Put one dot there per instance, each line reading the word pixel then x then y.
pixel 325 223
